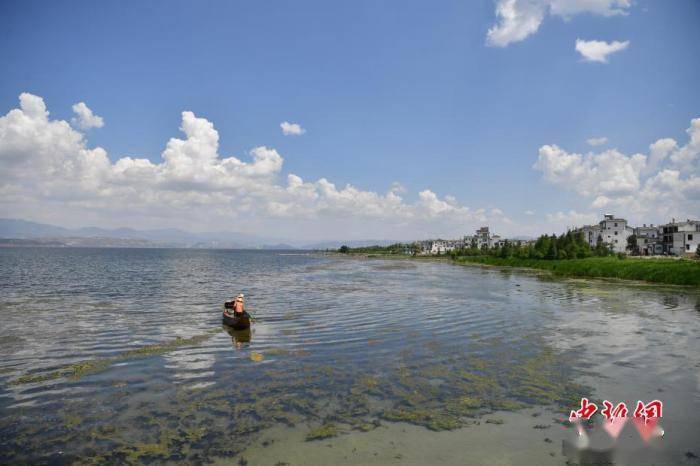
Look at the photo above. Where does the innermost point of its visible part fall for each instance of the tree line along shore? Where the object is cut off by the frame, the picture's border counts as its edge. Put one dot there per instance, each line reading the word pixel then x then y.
pixel 565 255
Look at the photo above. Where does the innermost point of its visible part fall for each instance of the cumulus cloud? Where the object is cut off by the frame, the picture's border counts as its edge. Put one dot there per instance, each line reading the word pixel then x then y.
pixel 597 141
pixel 518 19
pixel 598 50
pixel 663 184
pixel 84 118
pixel 571 218
pixel 291 129
pixel 48 168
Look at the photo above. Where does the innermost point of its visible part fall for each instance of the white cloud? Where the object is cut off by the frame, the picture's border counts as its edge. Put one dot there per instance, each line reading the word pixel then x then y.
pixel 663 184
pixel 518 19
pixel 529 212
pixel 568 8
pixel 598 50
pixel 570 219
pixel 47 168
pixel 291 129
pixel 84 118
pixel 597 141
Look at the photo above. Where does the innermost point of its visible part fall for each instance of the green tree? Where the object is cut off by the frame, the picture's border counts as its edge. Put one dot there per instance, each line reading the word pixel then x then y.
pixel 416 249
pixel 632 244
pixel 601 248
pixel 552 252
pixel 344 249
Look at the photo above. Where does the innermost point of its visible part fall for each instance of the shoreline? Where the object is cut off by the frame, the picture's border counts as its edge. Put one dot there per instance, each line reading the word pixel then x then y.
pixel 550 268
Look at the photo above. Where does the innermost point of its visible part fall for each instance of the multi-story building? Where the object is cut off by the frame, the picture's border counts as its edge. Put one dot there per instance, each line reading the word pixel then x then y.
pixel 680 238
pixel 482 239
pixel 590 233
pixel 611 230
pixel 647 239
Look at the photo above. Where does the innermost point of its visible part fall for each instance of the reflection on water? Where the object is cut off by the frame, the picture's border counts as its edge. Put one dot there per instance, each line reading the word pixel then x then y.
pixel 91 368
pixel 239 338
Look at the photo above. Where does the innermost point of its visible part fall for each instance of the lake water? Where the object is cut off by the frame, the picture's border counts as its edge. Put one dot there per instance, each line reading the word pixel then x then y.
pixel 119 356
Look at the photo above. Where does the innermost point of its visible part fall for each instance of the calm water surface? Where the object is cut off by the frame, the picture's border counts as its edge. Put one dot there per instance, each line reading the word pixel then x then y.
pixel 118 355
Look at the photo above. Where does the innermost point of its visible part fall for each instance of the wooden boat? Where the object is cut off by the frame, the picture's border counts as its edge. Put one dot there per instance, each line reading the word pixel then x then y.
pixel 237 322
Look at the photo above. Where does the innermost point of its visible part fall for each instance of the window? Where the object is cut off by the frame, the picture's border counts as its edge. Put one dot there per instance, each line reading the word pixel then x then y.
pixel 615 233
pixel 687 247
pixel 615 223
pixel 690 237
pixel 615 241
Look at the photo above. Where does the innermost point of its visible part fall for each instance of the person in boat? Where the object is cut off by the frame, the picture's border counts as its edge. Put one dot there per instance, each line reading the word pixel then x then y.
pixel 239 305
pixel 239 308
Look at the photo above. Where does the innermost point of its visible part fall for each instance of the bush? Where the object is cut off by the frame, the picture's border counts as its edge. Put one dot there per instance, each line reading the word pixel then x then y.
pixel 621 255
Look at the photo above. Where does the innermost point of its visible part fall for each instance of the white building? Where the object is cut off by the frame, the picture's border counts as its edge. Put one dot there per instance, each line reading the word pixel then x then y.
pixel 611 230
pixel 440 246
pixel 680 238
pixel 482 239
pixel 647 240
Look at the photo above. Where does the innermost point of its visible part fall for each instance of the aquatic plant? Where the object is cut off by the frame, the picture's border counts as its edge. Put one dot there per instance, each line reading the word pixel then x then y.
pixel 82 368
pixel 449 390
pixel 322 432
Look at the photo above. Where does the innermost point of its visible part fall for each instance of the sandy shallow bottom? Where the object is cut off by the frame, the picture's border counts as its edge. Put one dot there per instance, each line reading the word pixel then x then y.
pixel 514 441
pixel 527 437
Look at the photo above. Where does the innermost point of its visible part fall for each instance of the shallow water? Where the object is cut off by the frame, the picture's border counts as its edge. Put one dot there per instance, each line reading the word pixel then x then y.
pixel 91 369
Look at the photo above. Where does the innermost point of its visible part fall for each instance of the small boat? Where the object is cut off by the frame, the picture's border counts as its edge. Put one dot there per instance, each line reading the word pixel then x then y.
pixel 241 322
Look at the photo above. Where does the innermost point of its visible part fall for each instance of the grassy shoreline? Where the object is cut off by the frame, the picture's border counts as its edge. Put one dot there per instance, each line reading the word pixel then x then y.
pixel 666 271
pixel 683 272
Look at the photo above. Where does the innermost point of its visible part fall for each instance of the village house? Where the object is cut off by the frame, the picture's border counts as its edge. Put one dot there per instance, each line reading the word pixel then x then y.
pixel 481 239
pixel 680 238
pixel 647 240
pixel 675 238
pixel 440 246
pixel 611 231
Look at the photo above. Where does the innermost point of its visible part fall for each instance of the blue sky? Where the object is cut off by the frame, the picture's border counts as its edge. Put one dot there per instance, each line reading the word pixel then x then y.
pixel 407 92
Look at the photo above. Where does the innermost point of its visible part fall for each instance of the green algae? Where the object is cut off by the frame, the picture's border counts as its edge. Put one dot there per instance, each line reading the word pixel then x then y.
pixel 366 426
pixel 82 368
pixel 72 421
pixel 322 432
pixel 428 418
pixel 450 391
pixel 369 381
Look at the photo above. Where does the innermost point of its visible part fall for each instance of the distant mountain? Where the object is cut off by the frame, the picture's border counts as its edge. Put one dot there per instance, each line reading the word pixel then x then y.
pixel 171 237
pixel 278 247
pixel 15 228
pixel 83 242
pixel 18 229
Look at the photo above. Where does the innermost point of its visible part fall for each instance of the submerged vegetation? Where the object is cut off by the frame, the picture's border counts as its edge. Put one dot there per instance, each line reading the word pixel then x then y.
pixel 323 432
pixel 449 390
pixel 82 368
